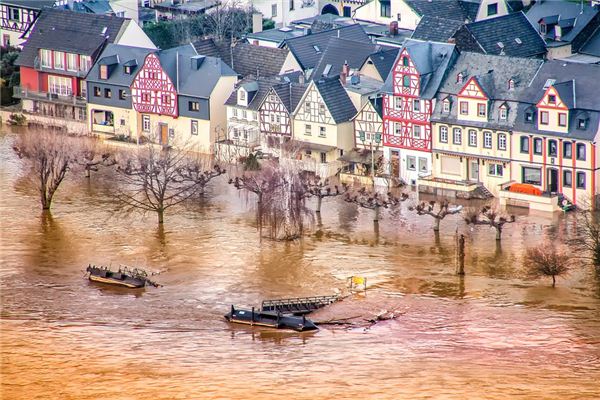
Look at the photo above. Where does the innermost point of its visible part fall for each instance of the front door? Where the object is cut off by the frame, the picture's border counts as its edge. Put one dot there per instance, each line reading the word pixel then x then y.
pixel 474 171
pixel 164 134
pixel 552 180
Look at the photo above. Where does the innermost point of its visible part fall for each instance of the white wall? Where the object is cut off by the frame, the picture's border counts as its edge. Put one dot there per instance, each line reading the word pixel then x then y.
pixel 284 15
pixel 134 36
pixel 129 8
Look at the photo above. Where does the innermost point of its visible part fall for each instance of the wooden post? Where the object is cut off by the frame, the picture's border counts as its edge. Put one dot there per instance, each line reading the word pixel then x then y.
pixel 461 255
pixel 252 318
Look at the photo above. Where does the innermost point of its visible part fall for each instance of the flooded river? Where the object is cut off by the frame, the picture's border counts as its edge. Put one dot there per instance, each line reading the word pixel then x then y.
pixel 493 335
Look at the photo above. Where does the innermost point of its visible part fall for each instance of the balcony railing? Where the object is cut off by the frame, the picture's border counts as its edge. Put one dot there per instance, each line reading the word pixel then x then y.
pixel 20 92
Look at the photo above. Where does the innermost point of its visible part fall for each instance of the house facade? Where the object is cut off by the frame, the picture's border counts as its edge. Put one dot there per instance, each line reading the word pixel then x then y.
pixel 408 102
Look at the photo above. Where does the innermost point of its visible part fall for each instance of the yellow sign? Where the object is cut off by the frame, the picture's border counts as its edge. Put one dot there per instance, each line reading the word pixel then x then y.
pixel 358 280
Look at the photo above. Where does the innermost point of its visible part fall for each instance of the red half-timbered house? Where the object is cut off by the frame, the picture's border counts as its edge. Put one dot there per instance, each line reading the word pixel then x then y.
pixel 152 90
pixel 408 102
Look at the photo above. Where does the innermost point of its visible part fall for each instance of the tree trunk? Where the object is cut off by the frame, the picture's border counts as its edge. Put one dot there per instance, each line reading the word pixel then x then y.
pixel 319 200
pixel 46 199
pixel 161 215
pixel 436 225
pixel 498 233
pixel 87 172
pixel 461 256
pixel 376 213
pixel 553 281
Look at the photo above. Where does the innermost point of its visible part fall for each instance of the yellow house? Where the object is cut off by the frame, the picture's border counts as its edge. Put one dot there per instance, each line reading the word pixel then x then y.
pixel 472 124
pixel 323 125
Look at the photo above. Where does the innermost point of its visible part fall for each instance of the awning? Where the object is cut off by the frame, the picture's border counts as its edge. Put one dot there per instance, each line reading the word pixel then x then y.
pixel 471 156
pixel 315 146
pixel 362 156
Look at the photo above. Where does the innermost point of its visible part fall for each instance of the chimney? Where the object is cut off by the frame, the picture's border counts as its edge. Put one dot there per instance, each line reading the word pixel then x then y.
pixel 197 62
pixel 557 32
pixel 452 40
pixel 257 25
pixel 393 28
pixel 301 78
pixel 345 73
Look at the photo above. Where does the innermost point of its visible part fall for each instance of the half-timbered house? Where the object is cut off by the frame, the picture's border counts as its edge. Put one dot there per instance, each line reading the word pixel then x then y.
pixel 172 97
pixel 61 48
pixel 17 16
pixel 408 101
pixel 323 125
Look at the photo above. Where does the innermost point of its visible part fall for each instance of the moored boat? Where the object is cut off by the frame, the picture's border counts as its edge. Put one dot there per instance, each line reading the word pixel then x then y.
pixel 270 319
pixel 125 276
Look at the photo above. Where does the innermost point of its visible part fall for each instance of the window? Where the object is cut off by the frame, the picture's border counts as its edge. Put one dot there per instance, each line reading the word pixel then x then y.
pixel 511 84
pixel 406 81
pixel 322 109
pixel 234 112
pixel 236 133
pixel 481 110
pixel 127 70
pixel 495 169
pixel 443 134
pixel 307 107
pixel 423 164
pixel 552 148
pixel 71 62
pixel 385 9
pixel 146 123
pixel 59 60
pixel 291 5
pixel 123 122
pixel 567 149
pixel 450 165
pixel 460 77
pixel 544 117
pixel 85 63
pixel 528 117
pixel 417 131
pixel 254 116
pixel 446 106
pixel 492 9
pixel 405 61
pixel 487 140
pixel 107 93
pixel 14 14
pixel 501 141
pixel 551 99
pixel 537 146
pixel 457 137
pixel 543 28
pixel 411 163
pixel 464 108
pixel 242 95
pixel 398 102
pixel 97 91
pixel 581 180
pixel 533 176
pixel 581 151
pixel 145 97
pixel 193 106
pixel 166 99
pixel 60 85
pixel 122 94
pixel 104 72
pixel 244 114
pixel 323 157
pixel 46 58
pixel 194 129
pixel 503 113
pixel 398 129
pixel 273 10
pixel 322 131
pixel 472 137
pixel 416 105
pixel 308 130
pixel 567 179
pixel 562 119
pixel 525 144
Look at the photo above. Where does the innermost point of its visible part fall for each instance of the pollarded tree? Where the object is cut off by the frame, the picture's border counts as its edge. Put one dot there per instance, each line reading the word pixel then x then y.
pixel 321 189
pixel 488 216
pixel 591 238
pixel 374 200
pixel 546 260
pixel 92 156
pixel 155 180
pixel 50 156
pixel 443 210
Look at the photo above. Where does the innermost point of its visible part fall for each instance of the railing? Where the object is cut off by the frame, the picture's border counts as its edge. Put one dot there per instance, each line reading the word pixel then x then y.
pixel 21 92
pixel 103 128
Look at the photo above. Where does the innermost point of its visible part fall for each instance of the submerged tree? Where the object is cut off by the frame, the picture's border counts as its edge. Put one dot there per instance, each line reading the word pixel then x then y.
pixel 546 260
pixel 155 180
pixel 50 156
pixel 591 238
pixel 488 216
pixel 321 189
pixel 443 209
pixel 92 156
pixel 374 200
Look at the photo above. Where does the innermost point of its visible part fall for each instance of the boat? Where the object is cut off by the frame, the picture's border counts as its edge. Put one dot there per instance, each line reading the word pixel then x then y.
pixel 271 319
pixel 125 276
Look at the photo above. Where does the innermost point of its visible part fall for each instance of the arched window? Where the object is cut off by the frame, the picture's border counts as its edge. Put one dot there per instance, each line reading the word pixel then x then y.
pixel 405 61
pixel 406 81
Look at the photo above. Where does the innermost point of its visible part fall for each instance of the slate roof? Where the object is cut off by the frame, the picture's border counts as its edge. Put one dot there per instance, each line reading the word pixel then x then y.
pixel 32 4
pixel 261 87
pixel 470 8
pixel 70 32
pixel 93 6
pixel 508 30
pixel 276 35
pixel 451 9
pixel 309 49
pixel 122 55
pixel 248 59
pixel 384 61
pixel 592 46
pixel 290 98
pixel 436 29
pixel 336 99
pixel 561 11
pixel 339 51
pixel 432 60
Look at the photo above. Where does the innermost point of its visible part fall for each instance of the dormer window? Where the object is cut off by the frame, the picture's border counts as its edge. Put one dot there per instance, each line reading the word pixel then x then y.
pixel 492 9
pixel 529 117
pixel 127 69
pixel 446 106
pixel 242 95
pixel 581 123
pixel 543 29
pixel 405 61
pixel 511 84
pixel 104 72
pixel 551 99
pixel 460 77
pixel 503 113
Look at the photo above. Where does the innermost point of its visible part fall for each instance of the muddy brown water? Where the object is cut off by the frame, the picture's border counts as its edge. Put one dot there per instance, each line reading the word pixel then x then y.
pixel 493 335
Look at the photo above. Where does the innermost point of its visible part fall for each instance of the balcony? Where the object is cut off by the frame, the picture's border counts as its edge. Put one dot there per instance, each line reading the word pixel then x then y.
pixel 24 93
pixel 543 201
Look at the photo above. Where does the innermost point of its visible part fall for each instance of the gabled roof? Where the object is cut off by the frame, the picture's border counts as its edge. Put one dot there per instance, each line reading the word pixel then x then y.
pixel 261 86
pixel 290 94
pixel 436 29
pixel 384 61
pixel 124 55
pixel 70 32
pixel 376 103
pixel 101 7
pixel 336 99
pixel 566 92
pixel 592 46
pixel 32 4
pixel 309 49
pixel 339 51
pixel 510 35
pixel 276 35
pixel 451 9
pixel 207 47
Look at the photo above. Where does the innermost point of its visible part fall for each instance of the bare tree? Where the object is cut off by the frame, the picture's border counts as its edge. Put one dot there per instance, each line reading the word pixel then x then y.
pixel 443 210
pixel 488 216
pixel 321 189
pixel 92 156
pixel 374 200
pixel 590 233
pixel 155 180
pixel 546 260
pixel 50 156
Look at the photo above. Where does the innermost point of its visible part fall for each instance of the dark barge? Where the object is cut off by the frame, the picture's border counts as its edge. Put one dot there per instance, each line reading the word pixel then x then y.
pixel 125 276
pixel 271 319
